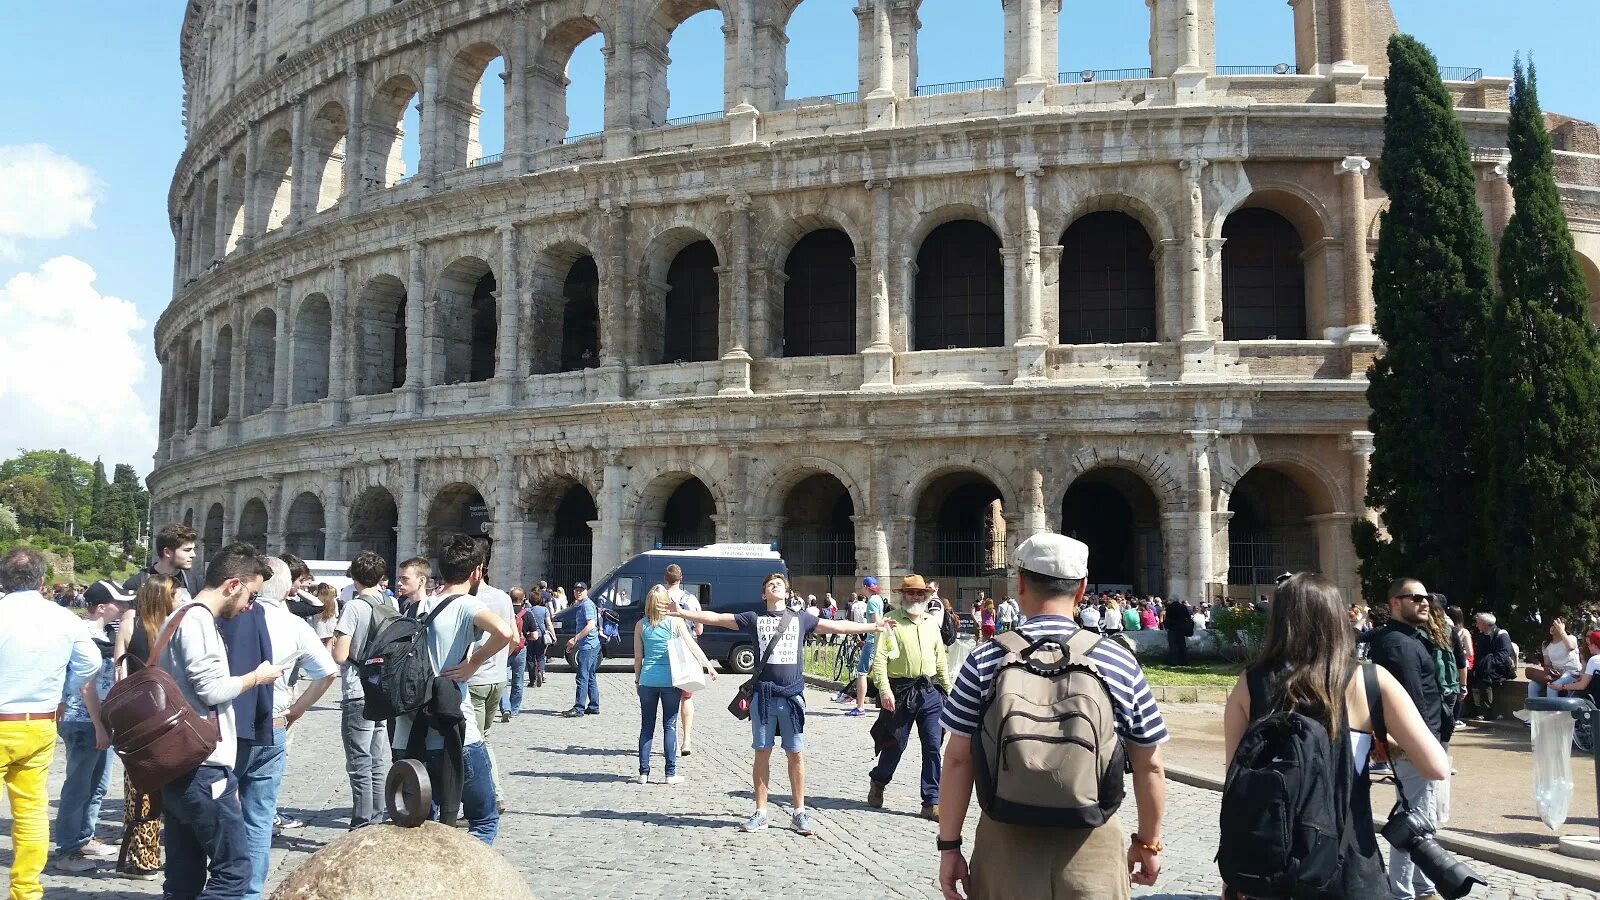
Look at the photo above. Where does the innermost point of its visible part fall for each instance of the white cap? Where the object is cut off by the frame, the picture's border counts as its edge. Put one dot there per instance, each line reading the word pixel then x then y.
pixel 1053 556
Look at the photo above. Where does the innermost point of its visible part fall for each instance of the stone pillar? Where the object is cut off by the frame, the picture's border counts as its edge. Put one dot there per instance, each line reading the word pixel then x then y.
pixel 416 351
pixel 515 158
pixel 508 367
pixel 208 346
pixel 430 105
pixel 1501 202
pixel 878 356
pixel 224 188
pixel 1357 267
pixel 1031 79
pixel 743 117
pixel 880 99
pixel 872 526
pixel 621 117
pixel 1198 343
pixel 736 356
pixel 409 527
pixel 1031 343
pixel 355 140
pixel 506 563
pixel 230 514
pixel 280 356
pixel 252 203
pixel 1201 555
pixel 1336 552
pixel 617 321
pixel 335 530
pixel 341 363
pixel 608 544
pixel 1344 32
pixel 274 515
pixel 299 165
pixel 1359 443
pixel 1033 518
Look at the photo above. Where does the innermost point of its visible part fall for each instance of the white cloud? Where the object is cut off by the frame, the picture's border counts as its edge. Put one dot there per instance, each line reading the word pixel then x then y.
pixel 43 195
pixel 70 361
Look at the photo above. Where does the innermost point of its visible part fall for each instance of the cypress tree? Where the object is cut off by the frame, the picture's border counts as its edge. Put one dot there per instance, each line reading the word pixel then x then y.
pixel 1432 288
pixel 97 528
pixel 1541 401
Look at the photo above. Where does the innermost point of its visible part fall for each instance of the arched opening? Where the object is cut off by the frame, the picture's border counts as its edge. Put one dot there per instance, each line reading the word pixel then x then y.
pixel 191 386
pixel 685 56
pixel 1256 35
pixel 580 316
pixel 328 131
pixel 977 28
pixel 374 526
pixel 960 292
pixel 253 525
pixel 819 296
pixel 690 328
pixel 221 374
pixel 233 204
pixel 308 350
pixel 304 529
pixel 1591 279
pixel 207 246
pixel 393 134
pixel 818 536
pixel 260 361
pixel 823 36
pixel 1270 531
pixel 467 326
pixel 571 538
pixel 1263 278
pixel 472 108
pixel 686 520
pixel 188 518
pixel 1108 281
pixel 567 86
pixel 1110 39
pixel 277 178
pixel 960 528
pixel 1114 511
pixel 457 509
pixel 211 535
pixel 380 336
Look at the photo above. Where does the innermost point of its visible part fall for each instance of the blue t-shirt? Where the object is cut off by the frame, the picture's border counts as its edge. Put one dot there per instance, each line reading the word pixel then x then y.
pixel 541 621
pixel 654 670
pixel 587 614
pixel 785 668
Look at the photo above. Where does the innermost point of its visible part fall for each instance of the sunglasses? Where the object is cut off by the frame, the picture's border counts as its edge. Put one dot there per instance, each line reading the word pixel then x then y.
pixel 1414 598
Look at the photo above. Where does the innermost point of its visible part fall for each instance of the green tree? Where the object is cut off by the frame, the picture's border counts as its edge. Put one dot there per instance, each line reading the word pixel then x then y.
pixel 33 499
pixel 1541 403
pixel 8 522
pixel 67 475
pixel 1432 288
pixel 97 528
pixel 125 479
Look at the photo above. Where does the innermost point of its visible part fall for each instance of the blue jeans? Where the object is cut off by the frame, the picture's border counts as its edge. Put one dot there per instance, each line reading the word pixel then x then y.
pixel 366 761
pixel 87 779
pixel 516 665
pixel 202 823
pixel 931 733
pixel 669 698
pixel 588 698
pixel 478 799
pixel 260 773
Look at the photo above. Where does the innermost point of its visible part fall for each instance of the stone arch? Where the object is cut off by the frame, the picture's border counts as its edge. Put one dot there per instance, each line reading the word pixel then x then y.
pixel 305 527
pixel 260 360
pixel 1109 289
pixel 459 507
pixel 309 344
pixel 566 299
pixel 550 116
pixel 378 352
pixel 807 14
pixel 328 132
pixel 1270 284
pixel 667 331
pixel 960 287
pixel 958 525
pixel 211 535
pixel 1591 280
pixel 461 140
pixel 1117 511
pixel 466 322
pixel 649 502
pixel 221 374
pixel 1123 198
pixel 560 508
pixel 657 28
pixel 820 309
pixel 817 505
pixel 275 179
pixel 1271 529
pixel 386 139
pixel 374 524
pixel 253 524
pixel 788 474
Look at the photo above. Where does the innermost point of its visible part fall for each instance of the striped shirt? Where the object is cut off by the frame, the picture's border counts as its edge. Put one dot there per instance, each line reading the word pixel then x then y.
pixel 1133 706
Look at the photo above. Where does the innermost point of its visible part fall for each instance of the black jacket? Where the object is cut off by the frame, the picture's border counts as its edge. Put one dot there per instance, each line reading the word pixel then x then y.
pixel 1492 662
pixel 1408 655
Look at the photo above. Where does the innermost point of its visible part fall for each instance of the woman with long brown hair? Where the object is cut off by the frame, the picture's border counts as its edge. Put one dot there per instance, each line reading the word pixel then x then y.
pixel 1308 666
pixel 156 601
pixel 322 623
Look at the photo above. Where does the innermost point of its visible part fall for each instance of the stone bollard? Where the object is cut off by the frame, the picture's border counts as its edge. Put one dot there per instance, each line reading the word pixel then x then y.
pixel 433 861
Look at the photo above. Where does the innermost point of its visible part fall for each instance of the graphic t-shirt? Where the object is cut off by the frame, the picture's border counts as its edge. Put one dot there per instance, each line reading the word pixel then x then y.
pixel 784 667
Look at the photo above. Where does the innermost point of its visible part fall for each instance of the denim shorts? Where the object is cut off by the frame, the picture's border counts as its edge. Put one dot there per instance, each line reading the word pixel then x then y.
pixel 864 661
pixel 776 722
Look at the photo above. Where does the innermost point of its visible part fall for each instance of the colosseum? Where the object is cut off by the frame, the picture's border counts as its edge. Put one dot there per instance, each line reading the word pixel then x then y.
pixel 889 330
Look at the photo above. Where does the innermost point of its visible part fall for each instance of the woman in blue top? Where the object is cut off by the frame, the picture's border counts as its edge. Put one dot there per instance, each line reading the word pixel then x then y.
pixel 653 675
pixel 539 635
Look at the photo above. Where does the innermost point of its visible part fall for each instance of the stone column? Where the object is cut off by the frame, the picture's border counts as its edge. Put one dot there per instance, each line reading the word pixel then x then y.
pixel 744 117
pixel 1336 552
pixel 1357 267
pixel 341 363
pixel 355 140
pixel 1031 344
pixel 335 529
pixel 299 165
pixel 429 164
pixel 274 515
pixel 608 544
pixel 280 356
pixel 416 351
pixel 1359 443
pixel 1200 533
pixel 1034 517
pixel 736 358
pixel 1198 343
pixel 208 347
pixel 506 564
pixel 621 117
pixel 409 526
pixel 872 527
pixel 230 514
pixel 878 357
pixel 1344 32
pixel 880 98
pixel 1501 202
pixel 515 159
pixel 617 322
pixel 508 367
pixel 251 204
pixel 224 188
pixel 1031 79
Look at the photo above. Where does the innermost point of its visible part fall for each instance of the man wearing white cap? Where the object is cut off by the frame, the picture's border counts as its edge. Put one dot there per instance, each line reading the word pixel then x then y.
pixel 1084 859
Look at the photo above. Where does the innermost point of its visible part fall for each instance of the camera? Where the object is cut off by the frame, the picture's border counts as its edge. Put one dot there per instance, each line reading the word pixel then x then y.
pixel 1409 830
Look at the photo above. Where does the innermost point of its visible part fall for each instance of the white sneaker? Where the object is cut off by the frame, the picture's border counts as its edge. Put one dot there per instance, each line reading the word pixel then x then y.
pixel 96 849
pixel 1523 715
pixel 674 779
pixel 643 778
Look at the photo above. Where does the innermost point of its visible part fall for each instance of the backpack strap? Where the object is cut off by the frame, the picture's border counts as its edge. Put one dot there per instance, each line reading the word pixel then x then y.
pixel 1013 643
pixel 427 618
pixel 166 636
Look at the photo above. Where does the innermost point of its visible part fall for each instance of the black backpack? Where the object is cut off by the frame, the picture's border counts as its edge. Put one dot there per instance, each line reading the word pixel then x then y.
pixel 396 673
pixel 1286 829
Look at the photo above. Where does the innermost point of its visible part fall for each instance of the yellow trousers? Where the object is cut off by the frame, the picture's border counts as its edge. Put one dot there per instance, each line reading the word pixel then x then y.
pixel 26 749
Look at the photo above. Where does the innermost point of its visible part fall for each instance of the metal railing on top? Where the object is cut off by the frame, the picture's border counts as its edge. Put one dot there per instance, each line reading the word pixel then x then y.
pixel 574 138
pixel 1279 69
pixel 1085 76
pixel 1459 73
pixel 956 87
pixel 691 120
pixel 489 160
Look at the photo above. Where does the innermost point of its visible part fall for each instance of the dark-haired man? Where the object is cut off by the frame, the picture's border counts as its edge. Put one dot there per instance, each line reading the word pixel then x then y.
pixel 453 749
pixel 488 684
pixel 683 599
pixel 174 550
pixel 88 774
pixel 202 821
pixel 1017 861
pixel 366 743
pixel 1403 646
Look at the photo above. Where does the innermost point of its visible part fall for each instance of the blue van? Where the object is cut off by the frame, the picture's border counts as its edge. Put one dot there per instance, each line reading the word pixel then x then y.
pixel 726 577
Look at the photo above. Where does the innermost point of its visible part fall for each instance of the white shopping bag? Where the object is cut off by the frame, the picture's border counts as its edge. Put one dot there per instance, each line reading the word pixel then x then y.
pixel 687 672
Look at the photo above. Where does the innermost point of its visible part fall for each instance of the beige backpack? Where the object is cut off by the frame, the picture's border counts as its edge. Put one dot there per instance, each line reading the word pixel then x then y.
pixel 1048 753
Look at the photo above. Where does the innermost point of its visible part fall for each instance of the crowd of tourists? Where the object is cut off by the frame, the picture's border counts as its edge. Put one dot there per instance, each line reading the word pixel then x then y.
pixel 1039 722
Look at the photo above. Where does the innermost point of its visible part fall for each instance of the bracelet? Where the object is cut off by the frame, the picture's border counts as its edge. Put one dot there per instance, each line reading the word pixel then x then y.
pixel 1157 847
pixel 945 846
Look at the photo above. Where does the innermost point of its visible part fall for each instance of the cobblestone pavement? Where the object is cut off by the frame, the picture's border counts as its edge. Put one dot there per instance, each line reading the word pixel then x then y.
pixel 577 825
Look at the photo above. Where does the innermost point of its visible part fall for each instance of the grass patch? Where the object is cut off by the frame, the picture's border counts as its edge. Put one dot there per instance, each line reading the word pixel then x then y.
pixel 822 661
pixel 1217 674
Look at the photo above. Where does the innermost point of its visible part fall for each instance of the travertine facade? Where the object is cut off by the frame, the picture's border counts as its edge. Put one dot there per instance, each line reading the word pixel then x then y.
pixel 893 329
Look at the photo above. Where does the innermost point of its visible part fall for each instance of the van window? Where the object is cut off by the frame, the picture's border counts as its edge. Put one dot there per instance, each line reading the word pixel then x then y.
pixel 620 594
pixel 700 591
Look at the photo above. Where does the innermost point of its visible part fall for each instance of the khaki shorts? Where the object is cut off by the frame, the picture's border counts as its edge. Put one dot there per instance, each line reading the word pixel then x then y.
pixel 1012 861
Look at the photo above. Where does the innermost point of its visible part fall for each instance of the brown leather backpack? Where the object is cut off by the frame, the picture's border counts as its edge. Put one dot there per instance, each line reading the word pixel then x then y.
pixel 155 731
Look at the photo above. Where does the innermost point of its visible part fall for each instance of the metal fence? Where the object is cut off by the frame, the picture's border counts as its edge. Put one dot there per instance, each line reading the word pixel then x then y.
pixel 956 87
pixel 830 557
pixel 695 119
pixel 1256 560
pixel 961 555
pixel 1459 73
pixel 571 560
pixel 574 138
pixel 489 160
pixel 1085 76
pixel 1279 69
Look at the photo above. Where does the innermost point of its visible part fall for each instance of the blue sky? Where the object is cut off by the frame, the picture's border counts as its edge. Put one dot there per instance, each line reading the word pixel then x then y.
pixel 102 90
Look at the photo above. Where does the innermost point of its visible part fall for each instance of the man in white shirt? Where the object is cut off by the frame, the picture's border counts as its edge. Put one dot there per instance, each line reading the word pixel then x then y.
pixel 261 763
pixel 489 682
pixel 1008 614
pixel 858 608
pixel 685 600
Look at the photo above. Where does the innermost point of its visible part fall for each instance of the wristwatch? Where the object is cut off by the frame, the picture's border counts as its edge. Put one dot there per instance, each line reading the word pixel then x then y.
pixel 945 845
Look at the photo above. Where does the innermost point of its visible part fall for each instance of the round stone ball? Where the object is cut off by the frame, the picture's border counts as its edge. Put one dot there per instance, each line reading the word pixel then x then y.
pixel 434 862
